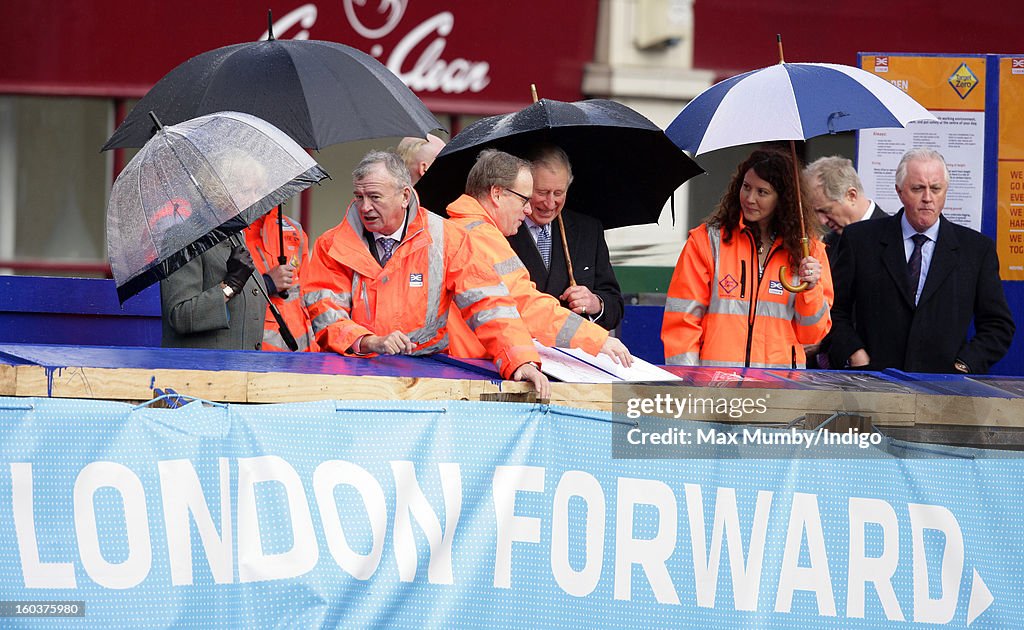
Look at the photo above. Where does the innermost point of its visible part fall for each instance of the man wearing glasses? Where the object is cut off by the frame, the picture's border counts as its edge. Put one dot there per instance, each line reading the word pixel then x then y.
pixel 496 203
pixel 383 280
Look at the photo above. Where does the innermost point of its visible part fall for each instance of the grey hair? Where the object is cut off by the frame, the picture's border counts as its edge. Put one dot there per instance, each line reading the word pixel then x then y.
pixel 493 168
pixel 551 156
pixel 836 176
pixel 923 155
pixel 392 164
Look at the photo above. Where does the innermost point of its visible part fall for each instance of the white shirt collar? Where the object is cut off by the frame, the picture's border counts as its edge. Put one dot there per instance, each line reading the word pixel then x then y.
pixel 868 212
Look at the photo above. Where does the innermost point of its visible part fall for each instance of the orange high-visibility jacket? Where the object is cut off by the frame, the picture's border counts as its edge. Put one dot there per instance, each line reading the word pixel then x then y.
pixel 551 323
pixel 262 240
pixel 720 312
pixel 349 295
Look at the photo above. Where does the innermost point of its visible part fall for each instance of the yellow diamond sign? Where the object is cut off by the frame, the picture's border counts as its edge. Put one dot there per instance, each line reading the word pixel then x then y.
pixel 963 80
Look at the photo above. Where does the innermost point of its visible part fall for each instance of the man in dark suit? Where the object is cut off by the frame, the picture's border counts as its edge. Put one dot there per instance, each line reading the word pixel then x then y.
pixel 833 190
pixel 538 243
pixel 908 286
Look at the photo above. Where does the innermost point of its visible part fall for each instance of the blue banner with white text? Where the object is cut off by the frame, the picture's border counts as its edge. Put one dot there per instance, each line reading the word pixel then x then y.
pixel 437 514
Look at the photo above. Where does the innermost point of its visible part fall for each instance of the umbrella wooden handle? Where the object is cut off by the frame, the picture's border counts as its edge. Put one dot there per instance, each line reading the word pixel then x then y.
pixel 783 276
pixel 565 248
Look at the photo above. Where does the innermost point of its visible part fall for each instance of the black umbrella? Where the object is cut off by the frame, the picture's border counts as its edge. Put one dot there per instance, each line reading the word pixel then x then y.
pixel 624 167
pixel 319 93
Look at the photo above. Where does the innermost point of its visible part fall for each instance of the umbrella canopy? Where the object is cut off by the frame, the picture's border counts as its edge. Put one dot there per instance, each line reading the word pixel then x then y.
pixel 624 168
pixel 790 101
pixel 319 93
pixel 192 186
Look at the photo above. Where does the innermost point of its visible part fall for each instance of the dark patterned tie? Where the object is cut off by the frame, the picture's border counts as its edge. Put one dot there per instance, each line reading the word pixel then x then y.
pixel 544 244
pixel 914 264
pixel 387 246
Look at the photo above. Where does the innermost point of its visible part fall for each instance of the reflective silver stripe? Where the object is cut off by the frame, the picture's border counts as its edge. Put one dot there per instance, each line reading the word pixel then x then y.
pixel 474 224
pixel 330 311
pixel 438 346
pixel 423 335
pixel 689 307
pixel 472 296
pixel 774 309
pixel 328 317
pixel 730 307
pixel 433 321
pixel 508 266
pixel 266 264
pixel 343 300
pixel 742 307
pixel 686 358
pixel 273 337
pixel 499 312
pixel 715 240
pixel 811 320
pixel 568 330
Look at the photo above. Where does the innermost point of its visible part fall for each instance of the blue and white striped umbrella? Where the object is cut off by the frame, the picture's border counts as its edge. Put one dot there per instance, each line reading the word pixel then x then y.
pixel 790 101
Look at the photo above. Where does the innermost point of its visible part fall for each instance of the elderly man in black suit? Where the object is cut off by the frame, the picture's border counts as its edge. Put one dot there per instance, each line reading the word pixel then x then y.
pixel 538 243
pixel 833 189
pixel 908 286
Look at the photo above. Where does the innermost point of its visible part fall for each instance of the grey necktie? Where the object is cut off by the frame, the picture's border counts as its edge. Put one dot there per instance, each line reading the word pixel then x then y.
pixel 914 264
pixel 387 246
pixel 544 244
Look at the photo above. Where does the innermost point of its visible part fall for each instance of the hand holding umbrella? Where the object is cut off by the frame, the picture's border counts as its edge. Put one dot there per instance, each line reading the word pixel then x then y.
pixel 239 267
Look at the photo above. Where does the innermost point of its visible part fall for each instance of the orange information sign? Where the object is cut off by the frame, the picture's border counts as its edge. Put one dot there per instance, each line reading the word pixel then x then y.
pixel 937 83
pixel 953 89
pixel 1010 196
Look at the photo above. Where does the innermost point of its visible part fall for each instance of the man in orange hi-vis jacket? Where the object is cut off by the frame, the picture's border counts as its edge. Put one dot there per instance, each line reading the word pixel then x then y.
pixel 497 200
pixel 283 280
pixel 382 281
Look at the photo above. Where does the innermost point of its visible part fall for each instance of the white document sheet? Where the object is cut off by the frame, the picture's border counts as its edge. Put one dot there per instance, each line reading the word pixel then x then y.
pixel 571 365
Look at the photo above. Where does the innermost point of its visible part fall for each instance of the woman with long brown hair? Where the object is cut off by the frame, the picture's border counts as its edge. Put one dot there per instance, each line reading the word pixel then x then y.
pixel 726 304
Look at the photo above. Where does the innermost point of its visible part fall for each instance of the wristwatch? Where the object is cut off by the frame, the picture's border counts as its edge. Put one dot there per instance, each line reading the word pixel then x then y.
pixel 961 366
pixel 228 292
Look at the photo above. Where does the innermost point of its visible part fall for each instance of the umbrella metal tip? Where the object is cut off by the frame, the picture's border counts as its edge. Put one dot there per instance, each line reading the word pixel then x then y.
pixel 270 25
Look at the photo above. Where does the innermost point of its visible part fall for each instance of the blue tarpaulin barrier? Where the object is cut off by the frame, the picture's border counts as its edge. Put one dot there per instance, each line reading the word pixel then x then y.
pixel 441 514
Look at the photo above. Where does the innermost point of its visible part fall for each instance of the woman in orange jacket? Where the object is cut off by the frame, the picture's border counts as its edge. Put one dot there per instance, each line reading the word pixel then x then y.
pixel 726 305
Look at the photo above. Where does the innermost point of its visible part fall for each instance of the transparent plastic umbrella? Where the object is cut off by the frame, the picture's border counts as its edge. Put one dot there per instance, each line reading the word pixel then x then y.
pixel 194 185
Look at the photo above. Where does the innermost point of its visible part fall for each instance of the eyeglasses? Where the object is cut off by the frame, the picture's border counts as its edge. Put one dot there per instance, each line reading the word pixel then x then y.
pixel 525 199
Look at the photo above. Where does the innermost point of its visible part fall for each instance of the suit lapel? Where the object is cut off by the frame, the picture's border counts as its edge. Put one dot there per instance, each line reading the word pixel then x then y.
pixel 526 248
pixel 943 262
pixel 894 258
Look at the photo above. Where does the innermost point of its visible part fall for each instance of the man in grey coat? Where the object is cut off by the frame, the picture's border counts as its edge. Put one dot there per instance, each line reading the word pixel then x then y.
pixel 213 302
